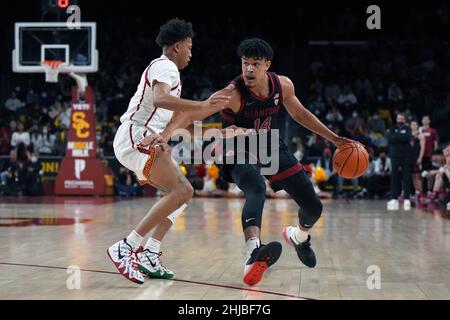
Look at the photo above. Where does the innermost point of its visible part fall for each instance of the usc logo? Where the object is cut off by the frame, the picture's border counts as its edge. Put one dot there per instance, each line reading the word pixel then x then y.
pixel 80 125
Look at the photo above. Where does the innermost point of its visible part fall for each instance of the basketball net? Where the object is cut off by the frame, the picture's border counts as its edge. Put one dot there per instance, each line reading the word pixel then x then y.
pixel 52 68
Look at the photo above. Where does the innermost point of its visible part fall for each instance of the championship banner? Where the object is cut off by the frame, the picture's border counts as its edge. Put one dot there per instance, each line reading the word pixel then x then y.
pixel 81 173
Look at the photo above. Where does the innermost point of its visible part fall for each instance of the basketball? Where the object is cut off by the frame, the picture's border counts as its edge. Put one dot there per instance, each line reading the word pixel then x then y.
pixel 350 160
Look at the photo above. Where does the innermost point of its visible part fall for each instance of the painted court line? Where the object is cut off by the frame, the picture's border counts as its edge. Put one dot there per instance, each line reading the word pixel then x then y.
pixel 174 279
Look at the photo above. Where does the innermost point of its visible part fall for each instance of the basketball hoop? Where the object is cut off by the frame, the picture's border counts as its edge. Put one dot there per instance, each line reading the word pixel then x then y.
pixel 52 68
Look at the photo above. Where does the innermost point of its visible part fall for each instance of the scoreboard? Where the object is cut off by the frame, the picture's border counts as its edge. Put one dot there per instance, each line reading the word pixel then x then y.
pixel 57 6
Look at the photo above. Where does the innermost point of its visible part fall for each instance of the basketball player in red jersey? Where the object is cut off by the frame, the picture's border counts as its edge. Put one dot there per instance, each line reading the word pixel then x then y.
pixel 256 99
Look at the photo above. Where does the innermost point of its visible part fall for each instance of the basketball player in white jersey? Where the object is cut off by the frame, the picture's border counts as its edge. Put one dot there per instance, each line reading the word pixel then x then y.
pixel 139 147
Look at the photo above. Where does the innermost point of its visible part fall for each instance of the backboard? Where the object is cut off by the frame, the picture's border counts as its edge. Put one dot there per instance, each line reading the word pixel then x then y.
pixel 35 42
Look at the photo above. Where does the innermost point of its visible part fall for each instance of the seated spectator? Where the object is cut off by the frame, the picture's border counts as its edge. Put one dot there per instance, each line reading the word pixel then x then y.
pixel 376 123
pixel 354 125
pixel 300 149
pixel 127 184
pixel 20 136
pixel 334 116
pixel 31 98
pixel 5 137
pixel 9 166
pixel 43 142
pixel 395 94
pixel 33 183
pixel 13 104
pixel 64 117
pixel 332 92
pixel 382 170
pixel 193 176
pixel 14 176
pixel 347 100
pixel 317 106
pixel 384 111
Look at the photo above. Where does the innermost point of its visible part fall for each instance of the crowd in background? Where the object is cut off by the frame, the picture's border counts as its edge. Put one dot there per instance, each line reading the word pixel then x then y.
pixel 356 89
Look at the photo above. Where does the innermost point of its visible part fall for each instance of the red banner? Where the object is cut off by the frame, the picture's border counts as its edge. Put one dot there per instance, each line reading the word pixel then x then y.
pixel 81 173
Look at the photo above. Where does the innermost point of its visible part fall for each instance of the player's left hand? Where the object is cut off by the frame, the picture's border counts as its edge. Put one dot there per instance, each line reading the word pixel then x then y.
pixel 341 140
pixel 233 131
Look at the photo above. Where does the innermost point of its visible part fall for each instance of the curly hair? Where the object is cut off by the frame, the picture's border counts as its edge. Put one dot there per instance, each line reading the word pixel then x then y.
pixel 173 31
pixel 255 48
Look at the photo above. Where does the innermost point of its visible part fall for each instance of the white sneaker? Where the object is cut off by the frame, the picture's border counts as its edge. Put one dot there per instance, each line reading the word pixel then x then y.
pixel 121 254
pixel 406 205
pixel 149 263
pixel 393 204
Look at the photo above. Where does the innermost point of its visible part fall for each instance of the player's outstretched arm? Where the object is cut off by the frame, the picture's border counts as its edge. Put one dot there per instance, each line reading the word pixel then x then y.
pixel 304 117
pixel 163 99
pixel 186 118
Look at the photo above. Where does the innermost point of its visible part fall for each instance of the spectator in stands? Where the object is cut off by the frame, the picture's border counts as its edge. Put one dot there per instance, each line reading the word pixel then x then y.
pixel 5 136
pixel 383 110
pixel 9 166
pixel 382 173
pixel 20 136
pixel 334 116
pixel 395 94
pixel 354 125
pixel 14 104
pixel 331 93
pixel 193 175
pixel 299 148
pixel 65 114
pixel 14 177
pixel 33 183
pixel 31 98
pixel 44 100
pixel 317 106
pixel 127 184
pixel 102 111
pixel 376 124
pixel 60 143
pixel 347 100
pixel 44 141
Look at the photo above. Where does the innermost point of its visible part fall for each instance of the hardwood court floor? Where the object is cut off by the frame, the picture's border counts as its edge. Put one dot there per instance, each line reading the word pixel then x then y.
pixel 206 250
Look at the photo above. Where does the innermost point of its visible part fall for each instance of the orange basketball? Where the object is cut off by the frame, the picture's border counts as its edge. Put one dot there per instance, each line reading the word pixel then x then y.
pixel 350 160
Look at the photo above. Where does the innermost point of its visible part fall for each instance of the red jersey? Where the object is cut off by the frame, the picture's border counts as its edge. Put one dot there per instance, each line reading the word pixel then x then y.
pixel 431 136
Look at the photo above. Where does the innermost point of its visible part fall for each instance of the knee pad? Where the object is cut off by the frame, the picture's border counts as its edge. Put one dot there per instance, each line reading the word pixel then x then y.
pixel 309 214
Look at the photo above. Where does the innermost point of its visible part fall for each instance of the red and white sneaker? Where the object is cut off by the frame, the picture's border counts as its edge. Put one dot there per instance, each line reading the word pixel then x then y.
pixel 150 264
pixel 259 261
pixel 121 254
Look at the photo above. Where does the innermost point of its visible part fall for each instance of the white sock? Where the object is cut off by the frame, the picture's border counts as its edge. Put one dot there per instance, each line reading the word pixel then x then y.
pixel 153 245
pixel 252 243
pixel 134 239
pixel 300 235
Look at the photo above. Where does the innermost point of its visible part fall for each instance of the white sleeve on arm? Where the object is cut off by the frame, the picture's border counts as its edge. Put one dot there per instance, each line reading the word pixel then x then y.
pixel 165 72
pixel 13 140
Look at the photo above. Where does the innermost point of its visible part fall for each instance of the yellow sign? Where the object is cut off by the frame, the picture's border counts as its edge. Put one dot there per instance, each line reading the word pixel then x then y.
pixel 80 125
